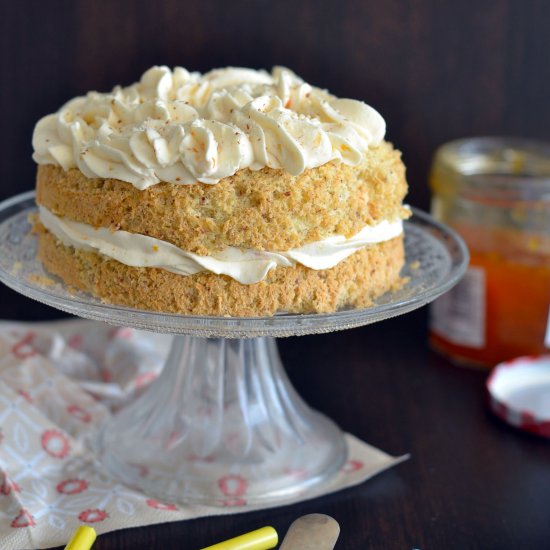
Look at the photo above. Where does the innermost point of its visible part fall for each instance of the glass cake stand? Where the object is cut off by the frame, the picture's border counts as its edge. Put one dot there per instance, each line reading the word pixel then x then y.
pixel 222 424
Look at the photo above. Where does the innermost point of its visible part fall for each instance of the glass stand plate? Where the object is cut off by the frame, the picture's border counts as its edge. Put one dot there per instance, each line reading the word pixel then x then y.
pixel 222 422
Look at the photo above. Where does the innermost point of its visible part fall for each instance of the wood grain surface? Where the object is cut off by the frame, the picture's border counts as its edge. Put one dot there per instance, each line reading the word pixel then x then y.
pixel 436 70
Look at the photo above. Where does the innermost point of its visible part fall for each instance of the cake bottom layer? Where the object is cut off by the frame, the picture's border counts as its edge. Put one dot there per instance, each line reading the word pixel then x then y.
pixel 356 281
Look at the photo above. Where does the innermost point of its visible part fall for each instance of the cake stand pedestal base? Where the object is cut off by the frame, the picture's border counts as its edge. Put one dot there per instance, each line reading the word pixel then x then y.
pixel 222 425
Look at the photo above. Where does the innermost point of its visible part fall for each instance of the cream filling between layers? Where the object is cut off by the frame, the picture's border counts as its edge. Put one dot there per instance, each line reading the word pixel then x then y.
pixel 244 265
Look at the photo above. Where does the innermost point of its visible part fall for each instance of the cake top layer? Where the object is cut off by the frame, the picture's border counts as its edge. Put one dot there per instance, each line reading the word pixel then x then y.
pixel 183 127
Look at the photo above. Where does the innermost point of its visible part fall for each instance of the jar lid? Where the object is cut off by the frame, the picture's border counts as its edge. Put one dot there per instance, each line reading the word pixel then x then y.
pixel 519 393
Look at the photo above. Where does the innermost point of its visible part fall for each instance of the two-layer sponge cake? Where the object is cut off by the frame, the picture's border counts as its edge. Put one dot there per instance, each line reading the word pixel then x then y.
pixel 236 192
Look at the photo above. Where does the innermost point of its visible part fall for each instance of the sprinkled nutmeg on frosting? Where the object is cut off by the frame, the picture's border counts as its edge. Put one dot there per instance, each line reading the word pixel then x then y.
pixel 182 127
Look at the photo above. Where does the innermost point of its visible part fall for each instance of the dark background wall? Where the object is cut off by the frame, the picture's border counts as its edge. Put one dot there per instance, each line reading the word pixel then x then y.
pixel 435 69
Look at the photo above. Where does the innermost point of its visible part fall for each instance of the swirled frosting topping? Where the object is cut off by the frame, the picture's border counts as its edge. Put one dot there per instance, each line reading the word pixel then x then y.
pixel 183 127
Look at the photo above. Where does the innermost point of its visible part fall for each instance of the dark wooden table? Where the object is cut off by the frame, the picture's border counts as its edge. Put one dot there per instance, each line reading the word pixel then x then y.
pixel 472 482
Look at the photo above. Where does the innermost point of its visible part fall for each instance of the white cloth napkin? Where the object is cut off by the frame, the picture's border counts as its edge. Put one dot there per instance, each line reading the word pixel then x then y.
pixel 60 380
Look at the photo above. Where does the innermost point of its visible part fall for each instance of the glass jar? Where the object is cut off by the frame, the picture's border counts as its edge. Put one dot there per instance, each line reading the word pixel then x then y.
pixel 495 192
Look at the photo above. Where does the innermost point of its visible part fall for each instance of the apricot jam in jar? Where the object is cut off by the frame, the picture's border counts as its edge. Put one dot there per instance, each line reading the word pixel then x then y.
pixel 496 193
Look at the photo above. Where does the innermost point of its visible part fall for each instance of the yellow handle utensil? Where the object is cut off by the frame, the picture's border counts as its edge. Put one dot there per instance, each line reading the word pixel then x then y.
pixel 82 538
pixel 261 539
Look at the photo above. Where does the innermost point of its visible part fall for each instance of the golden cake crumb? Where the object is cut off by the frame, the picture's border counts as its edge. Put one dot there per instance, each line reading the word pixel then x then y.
pixel 261 210
pixel 356 281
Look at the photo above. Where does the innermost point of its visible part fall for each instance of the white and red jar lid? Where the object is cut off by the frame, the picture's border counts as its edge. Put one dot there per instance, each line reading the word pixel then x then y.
pixel 519 393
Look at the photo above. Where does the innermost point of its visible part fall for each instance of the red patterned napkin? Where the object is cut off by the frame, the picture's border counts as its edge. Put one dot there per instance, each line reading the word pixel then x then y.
pixel 58 382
